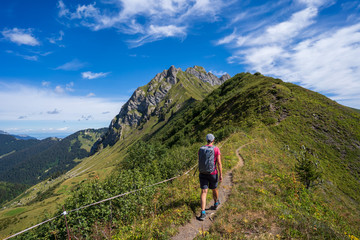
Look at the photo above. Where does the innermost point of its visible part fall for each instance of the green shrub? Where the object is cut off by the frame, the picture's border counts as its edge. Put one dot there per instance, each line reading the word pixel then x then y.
pixel 306 169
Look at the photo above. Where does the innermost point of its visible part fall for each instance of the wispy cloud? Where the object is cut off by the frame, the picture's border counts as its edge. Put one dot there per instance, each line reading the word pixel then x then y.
pixel 155 33
pixel 63 89
pixel 55 111
pixel 57 39
pixel 73 65
pixel 62 129
pixel 92 75
pixel 63 11
pixel 285 31
pixel 218 73
pixel 69 87
pixel 86 118
pixel 228 39
pixel 45 83
pixel 44 104
pixel 148 20
pixel 26 57
pixel 298 50
pixel 20 36
pixel 59 89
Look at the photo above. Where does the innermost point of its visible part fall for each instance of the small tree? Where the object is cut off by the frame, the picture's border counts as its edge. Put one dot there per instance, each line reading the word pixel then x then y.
pixel 306 169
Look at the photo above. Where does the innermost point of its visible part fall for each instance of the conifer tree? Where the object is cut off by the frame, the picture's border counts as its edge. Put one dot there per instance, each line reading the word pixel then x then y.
pixel 306 169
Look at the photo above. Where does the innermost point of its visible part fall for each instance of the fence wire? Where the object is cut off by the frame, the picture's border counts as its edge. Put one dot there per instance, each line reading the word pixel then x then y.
pixel 101 201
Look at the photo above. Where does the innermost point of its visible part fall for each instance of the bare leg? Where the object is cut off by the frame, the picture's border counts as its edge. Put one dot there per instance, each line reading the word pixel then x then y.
pixel 203 198
pixel 215 194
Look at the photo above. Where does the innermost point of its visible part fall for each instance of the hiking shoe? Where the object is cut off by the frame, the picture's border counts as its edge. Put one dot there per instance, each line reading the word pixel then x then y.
pixel 216 204
pixel 202 216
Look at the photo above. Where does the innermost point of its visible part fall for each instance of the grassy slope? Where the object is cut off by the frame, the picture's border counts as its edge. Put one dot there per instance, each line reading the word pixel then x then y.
pixel 282 116
pixel 267 200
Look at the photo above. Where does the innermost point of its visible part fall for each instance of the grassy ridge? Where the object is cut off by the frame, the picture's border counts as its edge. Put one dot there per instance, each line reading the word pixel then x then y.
pixel 268 201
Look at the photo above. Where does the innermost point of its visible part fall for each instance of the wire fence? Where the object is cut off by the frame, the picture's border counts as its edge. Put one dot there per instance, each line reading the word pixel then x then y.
pixel 99 202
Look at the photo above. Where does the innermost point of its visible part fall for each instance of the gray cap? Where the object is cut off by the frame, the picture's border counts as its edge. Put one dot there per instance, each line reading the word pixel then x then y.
pixel 210 137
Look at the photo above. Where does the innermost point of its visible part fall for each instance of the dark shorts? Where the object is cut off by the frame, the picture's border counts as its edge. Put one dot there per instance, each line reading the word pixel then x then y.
pixel 208 181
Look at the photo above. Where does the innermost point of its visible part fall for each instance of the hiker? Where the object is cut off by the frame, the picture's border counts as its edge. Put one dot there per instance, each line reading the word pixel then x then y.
pixel 210 173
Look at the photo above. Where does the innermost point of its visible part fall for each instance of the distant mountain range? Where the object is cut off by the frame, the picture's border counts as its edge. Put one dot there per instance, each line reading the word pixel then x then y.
pixel 27 161
pixel 22 137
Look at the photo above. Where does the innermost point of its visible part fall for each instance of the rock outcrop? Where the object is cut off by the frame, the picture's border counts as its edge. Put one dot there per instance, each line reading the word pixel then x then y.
pixel 208 77
pixel 145 101
pixel 225 77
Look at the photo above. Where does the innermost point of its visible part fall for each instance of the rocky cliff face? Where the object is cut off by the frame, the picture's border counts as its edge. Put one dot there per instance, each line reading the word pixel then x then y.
pixel 145 102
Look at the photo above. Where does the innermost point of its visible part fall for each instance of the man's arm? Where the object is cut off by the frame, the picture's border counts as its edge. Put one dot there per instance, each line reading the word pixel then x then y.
pixel 219 167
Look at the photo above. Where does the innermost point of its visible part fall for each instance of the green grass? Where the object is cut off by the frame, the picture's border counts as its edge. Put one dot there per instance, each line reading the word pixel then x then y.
pixel 14 212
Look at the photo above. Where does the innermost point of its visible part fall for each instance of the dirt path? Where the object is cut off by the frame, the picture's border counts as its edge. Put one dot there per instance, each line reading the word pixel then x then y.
pixel 194 227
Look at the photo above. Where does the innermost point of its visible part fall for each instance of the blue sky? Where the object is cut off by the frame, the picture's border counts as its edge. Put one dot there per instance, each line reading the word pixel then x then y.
pixel 70 65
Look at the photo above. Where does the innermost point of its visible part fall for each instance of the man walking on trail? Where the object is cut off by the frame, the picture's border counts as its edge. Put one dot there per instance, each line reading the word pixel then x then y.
pixel 210 173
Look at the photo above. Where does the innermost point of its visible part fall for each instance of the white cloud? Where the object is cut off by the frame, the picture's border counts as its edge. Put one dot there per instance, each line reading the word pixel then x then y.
pixel 63 11
pixel 262 57
pixel 218 73
pixel 59 89
pixel 72 65
pixel 42 104
pixel 289 29
pixel 45 83
pixel 62 89
pixel 124 15
pixel 92 75
pixel 20 36
pixel 327 63
pixel 279 33
pixel 296 50
pixel 166 31
pixel 227 39
pixel 55 40
pixel 315 3
pixel 69 87
pixel 154 33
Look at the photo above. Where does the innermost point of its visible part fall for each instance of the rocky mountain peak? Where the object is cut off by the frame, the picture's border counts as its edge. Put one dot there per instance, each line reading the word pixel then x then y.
pixel 204 76
pixel 171 74
pixel 145 102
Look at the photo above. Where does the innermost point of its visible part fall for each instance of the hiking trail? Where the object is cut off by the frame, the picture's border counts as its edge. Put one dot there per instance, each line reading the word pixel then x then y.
pixel 194 227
